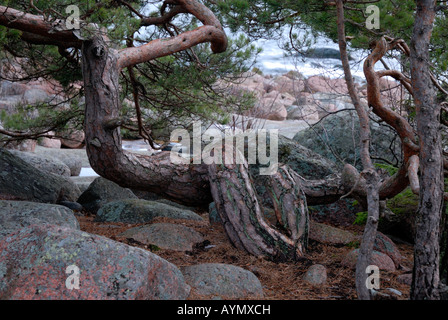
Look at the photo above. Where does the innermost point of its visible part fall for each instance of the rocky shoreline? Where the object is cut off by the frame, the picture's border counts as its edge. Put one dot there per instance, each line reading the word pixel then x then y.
pixel 288 102
pixel 45 207
pixel 47 228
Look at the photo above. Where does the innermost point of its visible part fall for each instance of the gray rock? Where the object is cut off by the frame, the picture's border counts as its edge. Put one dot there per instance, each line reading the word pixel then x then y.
pixel 72 138
pixel 341 101
pixel 324 233
pixel 302 160
pixel 27 145
pixel 75 159
pixel 83 183
pixel 146 195
pixel 174 204
pixel 342 212
pixel 75 164
pixel 165 236
pixel 303 112
pixel 325 97
pixel 14 215
pixel 294 75
pixel 35 95
pixel 102 191
pixel 223 281
pixel 337 138
pixel 43 163
pixel 46 142
pixel 9 88
pixel 75 206
pixel 61 154
pixel 405 278
pixel 141 211
pixel 385 245
pixel 381 260
pixel 316 275
pixel 34 265
pixel 21 181
pixel 10 103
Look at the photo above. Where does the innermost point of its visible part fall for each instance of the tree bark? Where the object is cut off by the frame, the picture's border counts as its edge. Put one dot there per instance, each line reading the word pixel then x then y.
pixel 397 183
pixel 425 283
pixel 101 65
pixel 369 172
pixel 242 215
pixel 183 182
pixel 444 246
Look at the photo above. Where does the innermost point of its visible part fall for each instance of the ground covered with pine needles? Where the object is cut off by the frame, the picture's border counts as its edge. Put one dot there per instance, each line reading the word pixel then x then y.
pixel 281 281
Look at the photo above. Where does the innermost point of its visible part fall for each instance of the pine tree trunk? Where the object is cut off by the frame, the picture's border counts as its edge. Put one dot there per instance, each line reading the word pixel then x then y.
pixel 242 215
pixel 182 182
pixel 444 245
pixel 425 282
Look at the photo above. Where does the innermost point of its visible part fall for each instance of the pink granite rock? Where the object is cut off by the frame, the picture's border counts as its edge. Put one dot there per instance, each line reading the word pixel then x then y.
pixel 34 265
pixel 381 260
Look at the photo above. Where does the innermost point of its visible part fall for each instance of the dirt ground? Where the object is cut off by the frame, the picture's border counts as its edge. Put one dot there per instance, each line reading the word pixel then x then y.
pixel 281 281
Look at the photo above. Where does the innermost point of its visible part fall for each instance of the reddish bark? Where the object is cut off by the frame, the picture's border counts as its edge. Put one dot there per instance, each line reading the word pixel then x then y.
pixel 212 32
pixel 164 47
pixel 186 183
pixel 400 180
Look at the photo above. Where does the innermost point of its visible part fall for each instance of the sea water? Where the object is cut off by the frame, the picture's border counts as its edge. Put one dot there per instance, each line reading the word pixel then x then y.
pixel 274 60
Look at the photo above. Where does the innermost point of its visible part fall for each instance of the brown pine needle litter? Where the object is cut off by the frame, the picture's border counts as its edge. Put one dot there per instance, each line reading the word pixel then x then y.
pixel 281 281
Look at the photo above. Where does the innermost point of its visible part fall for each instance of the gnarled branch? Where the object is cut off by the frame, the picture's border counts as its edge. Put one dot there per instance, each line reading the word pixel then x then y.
pixel 393 185
pixel 211 31
pixel 163 47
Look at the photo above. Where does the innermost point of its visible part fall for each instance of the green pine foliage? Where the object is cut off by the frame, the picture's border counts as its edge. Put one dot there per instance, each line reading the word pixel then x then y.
pixel 172 90
pixel 181 86
pixel 265 18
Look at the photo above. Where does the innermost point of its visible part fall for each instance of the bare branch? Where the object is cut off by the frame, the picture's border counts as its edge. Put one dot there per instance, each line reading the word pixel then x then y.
pixel 163 47
pixel 212 32
pixel 397 75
